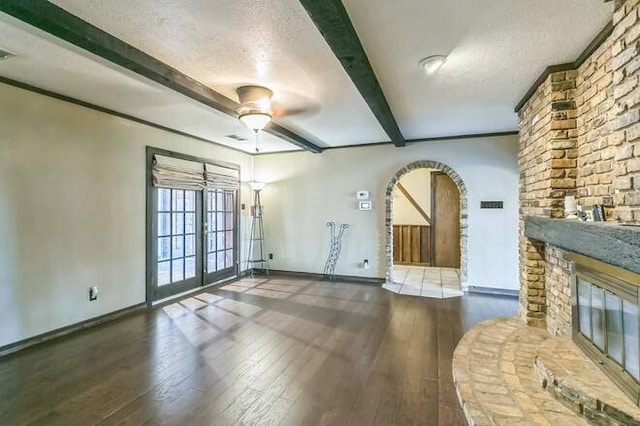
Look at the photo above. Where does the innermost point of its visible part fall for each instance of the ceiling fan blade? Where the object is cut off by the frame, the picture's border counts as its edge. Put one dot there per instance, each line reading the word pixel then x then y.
pixel 307 110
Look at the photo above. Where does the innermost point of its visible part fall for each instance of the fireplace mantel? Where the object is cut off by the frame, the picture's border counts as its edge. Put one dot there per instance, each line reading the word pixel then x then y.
pixel 608 242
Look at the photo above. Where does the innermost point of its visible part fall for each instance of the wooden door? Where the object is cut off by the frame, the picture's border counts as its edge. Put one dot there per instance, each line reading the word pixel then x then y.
pixel 445 216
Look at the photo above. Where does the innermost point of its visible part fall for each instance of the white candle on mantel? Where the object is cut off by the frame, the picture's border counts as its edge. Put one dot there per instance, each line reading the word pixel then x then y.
pixel 570 207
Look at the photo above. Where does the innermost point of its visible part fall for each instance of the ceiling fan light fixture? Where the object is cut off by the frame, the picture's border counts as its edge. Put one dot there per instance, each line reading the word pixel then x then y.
pixel 255 102
pixel 431 64
pixel 256 120
pixel 257 186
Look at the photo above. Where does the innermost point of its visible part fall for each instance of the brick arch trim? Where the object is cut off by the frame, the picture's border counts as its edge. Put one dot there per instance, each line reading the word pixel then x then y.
pixel 426 164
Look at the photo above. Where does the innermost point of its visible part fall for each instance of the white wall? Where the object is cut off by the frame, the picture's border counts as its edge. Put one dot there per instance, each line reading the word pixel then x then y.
pixel 418 185
pixel 72 210
pixel 307 190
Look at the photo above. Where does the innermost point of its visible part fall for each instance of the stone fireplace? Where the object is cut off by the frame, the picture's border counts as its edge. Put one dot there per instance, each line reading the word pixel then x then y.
pixel 592 279
pixel 573 353
pixel 580 136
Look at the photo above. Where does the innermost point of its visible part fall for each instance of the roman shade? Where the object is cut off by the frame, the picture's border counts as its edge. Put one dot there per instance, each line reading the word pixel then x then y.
pixel 169 172
pixel 224 178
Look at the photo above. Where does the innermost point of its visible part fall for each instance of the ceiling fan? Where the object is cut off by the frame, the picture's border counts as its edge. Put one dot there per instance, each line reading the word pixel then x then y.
pixel 257 109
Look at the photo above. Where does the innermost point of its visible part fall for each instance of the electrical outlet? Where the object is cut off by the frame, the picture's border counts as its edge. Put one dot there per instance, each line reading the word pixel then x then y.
pixel 270 256
pixel 93 293
pixel 365 264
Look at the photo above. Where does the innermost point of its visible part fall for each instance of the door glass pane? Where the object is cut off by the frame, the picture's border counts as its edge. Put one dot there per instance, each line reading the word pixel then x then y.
pixel 189 223
pixel 597 316
pixel 211 242
pixel 219 200
pixel 613 306
pixel 211 262
pixel 177 247
pixel 584 312
pixel 190 245
pixel 164 248
pixel 220 236
pixel 228 201
pixel 164 199
pixel 631 339
pixel 189 267
pixel 220 261
pixel 164 273
pixel 190 201
pixel 177 200
pixel 164 224
pixel 177 270
pixel 177 227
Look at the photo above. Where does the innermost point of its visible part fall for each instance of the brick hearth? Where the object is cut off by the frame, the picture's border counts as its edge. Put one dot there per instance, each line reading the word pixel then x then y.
pixel 506 372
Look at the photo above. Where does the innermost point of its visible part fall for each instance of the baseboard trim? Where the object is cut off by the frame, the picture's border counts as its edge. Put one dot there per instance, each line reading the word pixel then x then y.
pixel 337 278
pixel 60 332
pixel 493 291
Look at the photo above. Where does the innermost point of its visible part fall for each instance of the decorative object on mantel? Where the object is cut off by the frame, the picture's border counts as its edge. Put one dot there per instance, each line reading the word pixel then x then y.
pixel 599 214
pixel 335 246
pixel 570 207
pixel 582 214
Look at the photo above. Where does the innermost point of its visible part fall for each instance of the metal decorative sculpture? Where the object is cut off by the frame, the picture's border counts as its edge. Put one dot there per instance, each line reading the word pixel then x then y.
pixel 334 250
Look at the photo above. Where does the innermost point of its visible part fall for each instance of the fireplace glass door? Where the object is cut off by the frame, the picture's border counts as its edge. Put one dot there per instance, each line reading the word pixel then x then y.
pixel 605 321
pixel 611 324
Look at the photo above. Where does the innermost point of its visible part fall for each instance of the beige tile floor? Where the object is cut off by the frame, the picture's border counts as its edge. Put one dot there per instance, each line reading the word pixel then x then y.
pixel 438 283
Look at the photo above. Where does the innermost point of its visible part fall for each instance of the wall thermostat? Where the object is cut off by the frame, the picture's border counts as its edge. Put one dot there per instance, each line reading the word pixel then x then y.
pixel 365 205
pixel 362 195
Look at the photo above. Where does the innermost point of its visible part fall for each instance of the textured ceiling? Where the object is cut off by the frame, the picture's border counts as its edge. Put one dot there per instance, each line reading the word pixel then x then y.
pixel 225 44
pixel 496 48
pixel 47 63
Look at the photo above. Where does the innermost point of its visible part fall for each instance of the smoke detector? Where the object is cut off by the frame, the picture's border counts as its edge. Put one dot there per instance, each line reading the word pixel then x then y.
pixel 431 64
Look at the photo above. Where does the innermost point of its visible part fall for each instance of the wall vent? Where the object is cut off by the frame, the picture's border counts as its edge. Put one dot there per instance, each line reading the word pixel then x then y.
pixel 491 204
pixel 236 138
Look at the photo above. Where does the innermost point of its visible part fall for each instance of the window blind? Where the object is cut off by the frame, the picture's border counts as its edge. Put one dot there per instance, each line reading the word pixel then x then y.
pixel 169 172
pixel 218 177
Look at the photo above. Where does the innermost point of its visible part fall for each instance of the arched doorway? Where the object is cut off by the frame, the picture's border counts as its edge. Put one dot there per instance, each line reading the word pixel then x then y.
pixel 392 187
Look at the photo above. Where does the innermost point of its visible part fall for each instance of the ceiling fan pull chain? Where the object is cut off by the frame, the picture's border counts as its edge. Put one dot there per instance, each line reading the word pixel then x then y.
pixel 257 131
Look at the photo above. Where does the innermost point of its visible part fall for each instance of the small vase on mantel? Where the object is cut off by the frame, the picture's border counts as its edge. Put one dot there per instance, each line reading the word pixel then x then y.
pixel 570 208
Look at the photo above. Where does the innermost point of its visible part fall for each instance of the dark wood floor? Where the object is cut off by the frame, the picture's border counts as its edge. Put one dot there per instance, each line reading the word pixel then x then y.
pixel 278 351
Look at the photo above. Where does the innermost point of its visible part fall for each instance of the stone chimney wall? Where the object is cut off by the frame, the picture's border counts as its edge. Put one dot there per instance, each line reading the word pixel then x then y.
pixel 625 65
pixel 579 135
